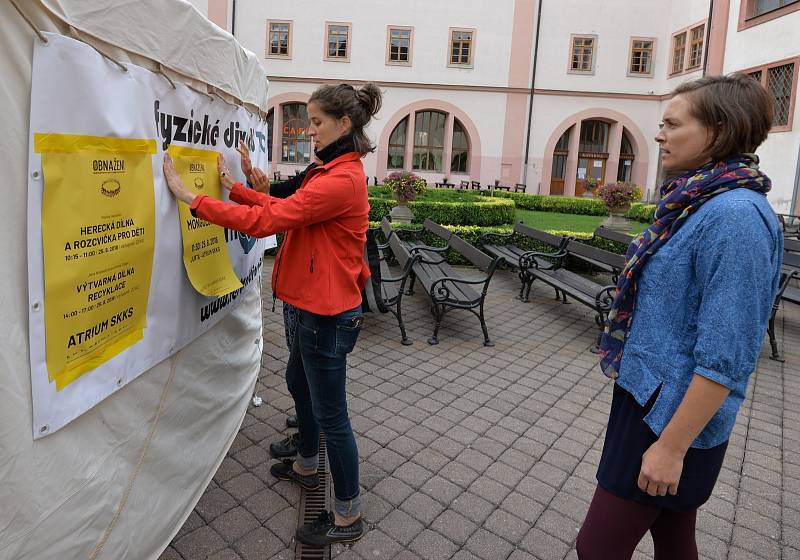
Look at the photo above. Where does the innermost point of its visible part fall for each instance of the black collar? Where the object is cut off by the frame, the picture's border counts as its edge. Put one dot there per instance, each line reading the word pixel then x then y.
pixel 344 145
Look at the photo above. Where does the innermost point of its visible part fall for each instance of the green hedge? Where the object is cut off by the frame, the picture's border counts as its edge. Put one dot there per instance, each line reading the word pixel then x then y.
pixel 484 212
pixel 641 212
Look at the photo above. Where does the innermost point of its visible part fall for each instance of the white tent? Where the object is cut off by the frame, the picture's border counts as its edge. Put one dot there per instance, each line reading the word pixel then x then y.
pixel 118 481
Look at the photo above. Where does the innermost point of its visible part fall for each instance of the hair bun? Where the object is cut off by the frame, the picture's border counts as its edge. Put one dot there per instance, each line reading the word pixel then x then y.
pixel 370 97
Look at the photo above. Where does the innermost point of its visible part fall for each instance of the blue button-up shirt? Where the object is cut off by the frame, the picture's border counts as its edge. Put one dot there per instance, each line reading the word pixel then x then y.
pixel 702 306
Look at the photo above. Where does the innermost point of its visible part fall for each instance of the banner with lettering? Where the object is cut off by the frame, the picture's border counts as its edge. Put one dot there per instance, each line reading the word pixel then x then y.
pixel 109 294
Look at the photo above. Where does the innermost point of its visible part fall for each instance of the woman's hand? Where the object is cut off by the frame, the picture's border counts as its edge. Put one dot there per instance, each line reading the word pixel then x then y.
pixel 246 164
pixel 225 178
pixel 661 470
pixel 174 182
pixel 259 181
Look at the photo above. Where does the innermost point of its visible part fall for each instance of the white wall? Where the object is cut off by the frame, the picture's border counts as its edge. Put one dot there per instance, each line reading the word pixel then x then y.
pixel 768 42
pixel 431 21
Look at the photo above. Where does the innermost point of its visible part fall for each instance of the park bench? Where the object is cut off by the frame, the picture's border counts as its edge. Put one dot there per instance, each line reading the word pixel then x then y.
pixel 586 291
pixel 412 238
pixel 383 291
pixel 446 287
pixel 790 224
pixel 788 292
pixel 522 260
pixel 613 235
pixel 791 245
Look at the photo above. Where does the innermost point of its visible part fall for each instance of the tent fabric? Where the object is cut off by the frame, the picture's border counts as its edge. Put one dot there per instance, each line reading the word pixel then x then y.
pixel 119 481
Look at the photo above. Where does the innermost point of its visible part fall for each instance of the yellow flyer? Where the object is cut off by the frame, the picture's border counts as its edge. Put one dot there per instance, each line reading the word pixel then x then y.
pixel 98 235
pixel 205 252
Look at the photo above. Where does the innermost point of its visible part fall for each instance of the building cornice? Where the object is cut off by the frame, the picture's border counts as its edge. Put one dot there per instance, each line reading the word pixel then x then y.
pixel 487 89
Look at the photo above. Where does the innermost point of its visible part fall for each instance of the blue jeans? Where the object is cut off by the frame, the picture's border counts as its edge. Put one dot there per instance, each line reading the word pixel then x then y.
pixel 316 377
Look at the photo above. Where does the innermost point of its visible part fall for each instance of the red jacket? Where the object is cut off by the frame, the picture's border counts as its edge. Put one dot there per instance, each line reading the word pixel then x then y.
pixel 320 265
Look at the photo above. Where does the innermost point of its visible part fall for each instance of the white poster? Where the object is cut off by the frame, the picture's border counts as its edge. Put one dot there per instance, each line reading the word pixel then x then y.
pixel 109 294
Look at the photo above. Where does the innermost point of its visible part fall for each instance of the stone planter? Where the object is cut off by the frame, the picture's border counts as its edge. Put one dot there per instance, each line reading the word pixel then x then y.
pixel 617 220
pixel 401 214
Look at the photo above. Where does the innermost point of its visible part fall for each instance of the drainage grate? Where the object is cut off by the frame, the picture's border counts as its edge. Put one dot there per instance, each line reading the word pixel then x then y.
pixel 312 503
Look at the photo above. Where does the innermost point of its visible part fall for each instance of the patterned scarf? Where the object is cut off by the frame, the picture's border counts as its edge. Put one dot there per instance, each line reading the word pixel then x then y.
pixel 680 198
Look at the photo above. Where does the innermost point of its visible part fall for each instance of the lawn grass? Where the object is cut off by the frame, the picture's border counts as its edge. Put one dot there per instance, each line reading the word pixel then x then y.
pixel 566 222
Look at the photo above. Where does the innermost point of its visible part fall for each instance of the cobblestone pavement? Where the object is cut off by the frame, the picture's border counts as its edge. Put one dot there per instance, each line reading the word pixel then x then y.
pixel 470 452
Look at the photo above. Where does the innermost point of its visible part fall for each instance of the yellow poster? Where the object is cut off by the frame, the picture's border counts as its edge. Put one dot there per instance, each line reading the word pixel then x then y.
pixel 98 234
pixel 205 252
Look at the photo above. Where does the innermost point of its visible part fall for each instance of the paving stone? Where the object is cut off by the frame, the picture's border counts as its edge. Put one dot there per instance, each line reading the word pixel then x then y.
pixel 214 503
pixel 401 526
pixel 243 486
pixel 433 546
pixel 454 526
pixel 234 524
pixel 473 507
pixel 201 543
pixel 258 544
pixel 422 507
pixel 488 545
pixel 170 554
pixel 377 545
pixel 265 504
pixel 226 554
pixel 508 526
pixel 393 490
pixel 441 490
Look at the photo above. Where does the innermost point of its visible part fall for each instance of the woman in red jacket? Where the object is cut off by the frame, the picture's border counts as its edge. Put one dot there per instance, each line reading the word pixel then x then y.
pixel 320 270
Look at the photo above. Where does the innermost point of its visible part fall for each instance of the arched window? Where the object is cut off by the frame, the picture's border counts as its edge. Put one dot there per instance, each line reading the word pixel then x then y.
pixel 428 141
pixel 594 137
pixel 270 127
pixel 626 156
pixel 397 146
pixel 459 160
pixel 296 145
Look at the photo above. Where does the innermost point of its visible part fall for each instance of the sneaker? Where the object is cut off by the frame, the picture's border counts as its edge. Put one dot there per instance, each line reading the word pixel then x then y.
pixel 284 471
pixel 287 447
pixel 322 531
pixel 291 421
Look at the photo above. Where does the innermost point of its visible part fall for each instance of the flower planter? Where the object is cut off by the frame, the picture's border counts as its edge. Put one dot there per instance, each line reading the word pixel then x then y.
pixel 401 214
pixel 617 220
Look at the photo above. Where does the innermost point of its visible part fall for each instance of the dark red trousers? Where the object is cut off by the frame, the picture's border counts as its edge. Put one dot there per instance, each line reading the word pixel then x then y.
pixel 614 526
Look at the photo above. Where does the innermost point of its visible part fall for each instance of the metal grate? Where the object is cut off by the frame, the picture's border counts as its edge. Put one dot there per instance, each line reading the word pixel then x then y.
pixel 779 84
pixel 312 503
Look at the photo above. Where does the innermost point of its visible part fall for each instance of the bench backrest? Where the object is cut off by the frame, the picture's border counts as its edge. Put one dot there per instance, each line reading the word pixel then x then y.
pixel 792 245
pixel 613 235
pixel 399 250
pixel 791 260
pixel 386 228
pixel 437 230
pixel 579 249
pixel 539 235
pixel 471 253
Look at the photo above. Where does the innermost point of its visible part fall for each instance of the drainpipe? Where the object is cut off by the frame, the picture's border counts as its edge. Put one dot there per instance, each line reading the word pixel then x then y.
pixel 530 97
pixel 793 208
pixel 233 18
pixel 708 35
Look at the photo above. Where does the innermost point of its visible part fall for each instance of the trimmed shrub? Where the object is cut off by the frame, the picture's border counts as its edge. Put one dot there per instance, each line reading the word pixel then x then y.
pixel 642 212
pixel 482 212
pixel 562 204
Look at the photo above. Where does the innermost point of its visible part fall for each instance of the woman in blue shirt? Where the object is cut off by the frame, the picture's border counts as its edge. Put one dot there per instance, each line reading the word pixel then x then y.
pixel 687 322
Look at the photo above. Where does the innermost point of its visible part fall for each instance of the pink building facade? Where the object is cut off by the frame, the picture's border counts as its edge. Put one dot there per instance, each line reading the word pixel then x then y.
pixel 544 94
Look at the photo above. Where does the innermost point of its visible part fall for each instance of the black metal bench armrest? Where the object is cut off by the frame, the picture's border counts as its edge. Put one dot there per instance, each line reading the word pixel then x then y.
pixel 440 292
pixel 605 296
pixel 528 260
pixel 423 260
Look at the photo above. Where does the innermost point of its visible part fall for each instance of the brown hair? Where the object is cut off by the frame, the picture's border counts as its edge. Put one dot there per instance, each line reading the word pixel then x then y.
pixel 736 109
pixel 358 104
